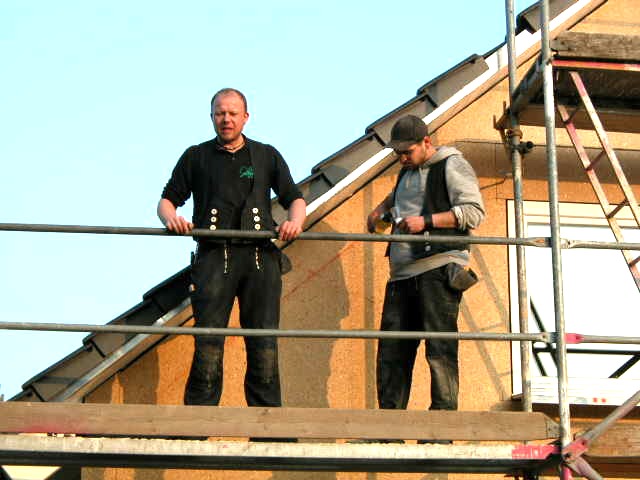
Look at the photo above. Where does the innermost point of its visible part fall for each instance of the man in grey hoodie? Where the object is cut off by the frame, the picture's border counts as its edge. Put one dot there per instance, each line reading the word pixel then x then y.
pixel 436 192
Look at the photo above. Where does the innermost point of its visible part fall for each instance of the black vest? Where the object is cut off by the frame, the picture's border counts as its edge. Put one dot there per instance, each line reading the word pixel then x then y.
pixel 436 200
pixel 211 213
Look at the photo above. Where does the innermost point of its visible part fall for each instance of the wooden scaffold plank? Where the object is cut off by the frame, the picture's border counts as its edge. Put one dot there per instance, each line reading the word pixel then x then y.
pixel 175 421
pixel 603 46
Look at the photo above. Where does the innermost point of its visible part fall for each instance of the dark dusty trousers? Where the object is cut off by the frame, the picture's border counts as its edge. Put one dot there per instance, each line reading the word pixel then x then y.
pixel 421 303
pixel 220 274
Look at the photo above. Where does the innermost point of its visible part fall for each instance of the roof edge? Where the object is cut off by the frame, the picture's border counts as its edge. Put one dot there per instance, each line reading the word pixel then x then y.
pixel 527 45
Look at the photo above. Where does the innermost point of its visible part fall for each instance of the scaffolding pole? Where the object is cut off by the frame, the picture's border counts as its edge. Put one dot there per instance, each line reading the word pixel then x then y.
pixel 222 235
pixel 515 136
pixel 556 251
pixel 545 337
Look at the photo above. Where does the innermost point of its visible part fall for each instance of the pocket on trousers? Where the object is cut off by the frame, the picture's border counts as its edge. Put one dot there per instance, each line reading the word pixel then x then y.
pixel 460 278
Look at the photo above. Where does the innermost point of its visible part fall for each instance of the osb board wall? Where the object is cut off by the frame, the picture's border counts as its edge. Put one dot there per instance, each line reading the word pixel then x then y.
pixel 340 285
pixel 334 285
pixel 621 17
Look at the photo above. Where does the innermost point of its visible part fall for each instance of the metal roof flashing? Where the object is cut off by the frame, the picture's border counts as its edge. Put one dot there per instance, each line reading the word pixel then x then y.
pixel 529 19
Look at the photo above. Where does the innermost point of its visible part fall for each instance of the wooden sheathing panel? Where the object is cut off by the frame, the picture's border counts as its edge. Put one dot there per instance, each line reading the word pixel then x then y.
pixel 614 16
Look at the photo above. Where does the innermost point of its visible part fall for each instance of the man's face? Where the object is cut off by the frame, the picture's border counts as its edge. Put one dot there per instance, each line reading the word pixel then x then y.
pixel 229 116
pixel 415 155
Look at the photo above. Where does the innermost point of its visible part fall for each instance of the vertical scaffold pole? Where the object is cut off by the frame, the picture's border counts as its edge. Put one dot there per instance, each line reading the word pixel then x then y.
pixel 515 136
pixel 556 252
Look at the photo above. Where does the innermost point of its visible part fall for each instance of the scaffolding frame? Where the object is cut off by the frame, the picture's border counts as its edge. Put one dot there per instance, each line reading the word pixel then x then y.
pixel 567 455
pixel 541 75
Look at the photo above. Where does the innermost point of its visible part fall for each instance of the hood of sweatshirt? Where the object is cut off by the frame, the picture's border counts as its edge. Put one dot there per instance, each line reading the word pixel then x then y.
pixel 441 154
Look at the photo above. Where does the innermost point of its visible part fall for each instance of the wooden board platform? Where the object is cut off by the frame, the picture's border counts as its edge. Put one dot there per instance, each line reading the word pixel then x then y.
pixel 177 421
pixel 615 454
pixel 601 46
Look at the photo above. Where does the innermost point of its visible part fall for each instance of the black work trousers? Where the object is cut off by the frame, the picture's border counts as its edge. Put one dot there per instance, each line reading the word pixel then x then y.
pixel 421 303
pixel 220 273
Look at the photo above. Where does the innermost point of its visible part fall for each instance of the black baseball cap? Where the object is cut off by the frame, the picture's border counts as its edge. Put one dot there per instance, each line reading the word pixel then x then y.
pixel 407 131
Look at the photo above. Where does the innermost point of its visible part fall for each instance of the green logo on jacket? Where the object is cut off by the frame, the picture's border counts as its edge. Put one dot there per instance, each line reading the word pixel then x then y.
pixel 246 172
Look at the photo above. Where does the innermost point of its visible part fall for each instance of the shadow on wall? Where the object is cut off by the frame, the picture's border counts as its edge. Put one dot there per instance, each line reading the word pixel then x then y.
pixel 144 392
pixel 501 323
pixel 314 298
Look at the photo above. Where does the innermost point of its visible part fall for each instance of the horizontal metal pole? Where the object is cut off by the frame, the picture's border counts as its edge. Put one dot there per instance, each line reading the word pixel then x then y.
pixel 268 235
pixel 335 236
pixel 578 338
pixel 253 332
pixel 592 351
pixel 601 245
pixel 545 337
pixel 611 339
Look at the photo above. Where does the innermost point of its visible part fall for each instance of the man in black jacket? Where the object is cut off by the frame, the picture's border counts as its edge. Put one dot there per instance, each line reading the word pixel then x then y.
pixel 231 178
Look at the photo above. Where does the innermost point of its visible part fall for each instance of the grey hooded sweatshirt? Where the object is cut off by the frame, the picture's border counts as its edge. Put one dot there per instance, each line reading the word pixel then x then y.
pixel 467 206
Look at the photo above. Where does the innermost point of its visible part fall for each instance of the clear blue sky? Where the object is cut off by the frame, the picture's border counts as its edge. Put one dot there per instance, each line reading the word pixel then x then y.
pixel 99 99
